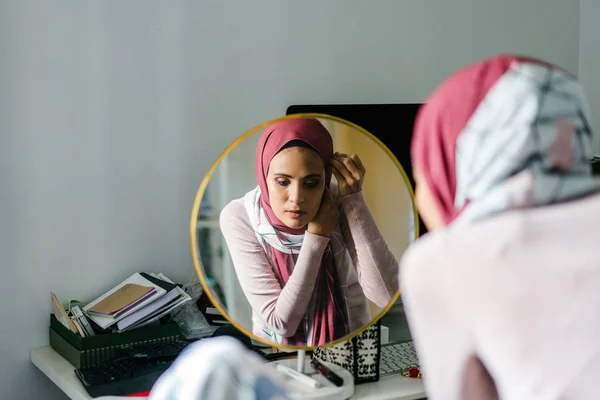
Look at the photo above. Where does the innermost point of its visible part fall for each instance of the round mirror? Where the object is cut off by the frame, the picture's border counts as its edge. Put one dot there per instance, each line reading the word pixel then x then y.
pixel 297 230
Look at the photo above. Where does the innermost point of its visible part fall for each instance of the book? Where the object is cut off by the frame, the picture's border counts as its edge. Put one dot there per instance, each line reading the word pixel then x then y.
pixel 122 299
pixel 121 310
pixel 174 297
pixel 78 326
pixel 158 314
pixel 82 320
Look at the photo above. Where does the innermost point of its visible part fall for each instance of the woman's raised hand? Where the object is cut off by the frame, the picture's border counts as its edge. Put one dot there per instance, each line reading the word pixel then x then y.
pixel 349 171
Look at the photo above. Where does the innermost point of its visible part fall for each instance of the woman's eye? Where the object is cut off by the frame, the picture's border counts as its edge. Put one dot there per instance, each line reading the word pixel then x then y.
pixel 312 184
pixel 282 182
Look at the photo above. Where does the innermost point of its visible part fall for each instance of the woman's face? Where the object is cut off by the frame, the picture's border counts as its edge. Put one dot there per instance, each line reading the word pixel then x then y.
pixel 432 218
pixel 296 182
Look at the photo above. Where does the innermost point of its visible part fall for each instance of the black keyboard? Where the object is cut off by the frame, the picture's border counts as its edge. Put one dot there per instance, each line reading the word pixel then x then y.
pixel 135 371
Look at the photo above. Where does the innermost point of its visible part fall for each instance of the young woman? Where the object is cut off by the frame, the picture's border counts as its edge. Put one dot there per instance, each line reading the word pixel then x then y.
pixel 308 254
pixel 502 296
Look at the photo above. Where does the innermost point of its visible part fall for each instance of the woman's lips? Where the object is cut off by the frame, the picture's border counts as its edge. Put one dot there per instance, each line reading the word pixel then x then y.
pixel 296 214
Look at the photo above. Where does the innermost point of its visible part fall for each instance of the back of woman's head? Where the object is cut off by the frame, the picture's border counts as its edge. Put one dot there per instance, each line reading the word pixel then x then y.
pixel 502 133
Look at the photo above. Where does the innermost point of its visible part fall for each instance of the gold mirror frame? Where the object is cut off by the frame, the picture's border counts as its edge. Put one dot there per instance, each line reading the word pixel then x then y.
pixel 196 209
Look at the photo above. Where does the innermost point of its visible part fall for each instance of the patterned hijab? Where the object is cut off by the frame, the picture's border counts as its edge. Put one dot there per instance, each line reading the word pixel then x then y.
pixel 329 320
pixel 504 133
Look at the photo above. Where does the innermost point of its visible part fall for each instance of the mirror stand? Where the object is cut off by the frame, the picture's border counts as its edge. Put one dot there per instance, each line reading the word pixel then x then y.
pixel 300 367
pixel 298 388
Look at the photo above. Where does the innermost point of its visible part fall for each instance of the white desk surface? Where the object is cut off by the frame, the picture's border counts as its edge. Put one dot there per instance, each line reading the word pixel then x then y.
pixel 60 371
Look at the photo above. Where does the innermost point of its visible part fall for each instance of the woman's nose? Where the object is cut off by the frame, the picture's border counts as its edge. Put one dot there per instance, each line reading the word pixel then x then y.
pixel 296 194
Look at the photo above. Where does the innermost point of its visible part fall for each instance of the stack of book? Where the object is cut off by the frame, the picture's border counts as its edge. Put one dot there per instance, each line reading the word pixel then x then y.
pixel 139 300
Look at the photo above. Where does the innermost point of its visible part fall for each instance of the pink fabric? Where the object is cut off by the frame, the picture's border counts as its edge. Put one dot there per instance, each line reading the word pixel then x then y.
pixel 519 292
pixel 313 133
pixel 443 117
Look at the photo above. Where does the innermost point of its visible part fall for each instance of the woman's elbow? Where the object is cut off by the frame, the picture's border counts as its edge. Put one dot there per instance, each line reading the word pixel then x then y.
pixel 283 330
pixel 285 327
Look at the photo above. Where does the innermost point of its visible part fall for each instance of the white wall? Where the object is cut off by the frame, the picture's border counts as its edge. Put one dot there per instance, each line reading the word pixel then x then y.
pixel 112 111
pixel 589 61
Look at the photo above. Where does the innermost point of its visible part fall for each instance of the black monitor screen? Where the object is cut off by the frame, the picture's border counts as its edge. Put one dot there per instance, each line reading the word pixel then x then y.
pixel 390 123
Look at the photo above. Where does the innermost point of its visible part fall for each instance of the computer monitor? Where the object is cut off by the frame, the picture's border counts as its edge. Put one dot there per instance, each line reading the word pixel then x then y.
pixel 391 123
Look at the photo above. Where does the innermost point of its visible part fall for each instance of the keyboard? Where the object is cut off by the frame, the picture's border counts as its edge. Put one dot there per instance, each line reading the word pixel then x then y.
pixel 135 371
pixel 396 356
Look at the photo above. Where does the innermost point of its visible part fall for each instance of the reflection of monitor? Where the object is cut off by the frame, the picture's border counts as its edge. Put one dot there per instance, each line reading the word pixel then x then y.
pixel 390 123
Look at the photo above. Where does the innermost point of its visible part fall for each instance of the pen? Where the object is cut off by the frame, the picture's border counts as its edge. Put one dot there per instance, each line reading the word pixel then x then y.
pixel 300 377
pixel 327 373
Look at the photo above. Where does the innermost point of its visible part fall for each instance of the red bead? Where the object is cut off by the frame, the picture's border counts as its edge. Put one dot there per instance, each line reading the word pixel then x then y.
pixel 413 373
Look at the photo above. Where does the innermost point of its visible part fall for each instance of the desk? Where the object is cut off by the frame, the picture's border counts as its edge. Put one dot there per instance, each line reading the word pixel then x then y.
pixel 60 371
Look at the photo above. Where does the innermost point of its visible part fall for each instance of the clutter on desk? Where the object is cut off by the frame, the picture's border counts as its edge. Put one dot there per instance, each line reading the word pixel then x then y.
pixel 139 300
pixel 122 341
pixel 192 319
pixel 143 308
pixel 212 314
pixel 103 347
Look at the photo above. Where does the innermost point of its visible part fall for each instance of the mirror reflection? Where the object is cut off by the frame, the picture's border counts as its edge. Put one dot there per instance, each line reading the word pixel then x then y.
pixel 300 229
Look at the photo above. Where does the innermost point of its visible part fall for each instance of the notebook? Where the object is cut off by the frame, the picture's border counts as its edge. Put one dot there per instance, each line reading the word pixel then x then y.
pixel 122 299
pixel 105 321
pixel 174 297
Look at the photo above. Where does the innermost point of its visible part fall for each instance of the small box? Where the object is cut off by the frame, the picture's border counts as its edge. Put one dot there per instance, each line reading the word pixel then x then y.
pixel 93 350
pixel 359 355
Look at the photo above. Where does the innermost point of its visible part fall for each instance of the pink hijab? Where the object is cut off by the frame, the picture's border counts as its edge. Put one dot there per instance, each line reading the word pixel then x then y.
pixel 328 325
pixel 502 133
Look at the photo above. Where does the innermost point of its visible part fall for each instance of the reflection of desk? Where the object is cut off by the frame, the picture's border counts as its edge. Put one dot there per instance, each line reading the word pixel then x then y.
pixel 60 371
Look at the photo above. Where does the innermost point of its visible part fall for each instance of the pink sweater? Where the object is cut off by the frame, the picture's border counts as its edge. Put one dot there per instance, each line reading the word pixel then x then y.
pixel 521 291
pixel 281 310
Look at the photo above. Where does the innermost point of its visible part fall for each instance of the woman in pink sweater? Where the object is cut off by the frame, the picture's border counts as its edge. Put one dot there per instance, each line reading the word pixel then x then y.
pixel 503 295
pixel 307 255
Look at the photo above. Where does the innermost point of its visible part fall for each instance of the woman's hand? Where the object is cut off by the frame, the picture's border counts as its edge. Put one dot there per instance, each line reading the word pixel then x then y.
pixel 326 219
pixel 349 172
